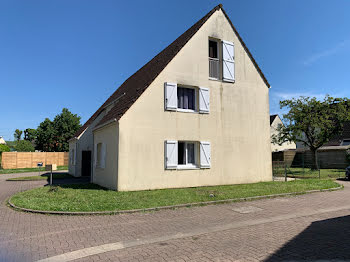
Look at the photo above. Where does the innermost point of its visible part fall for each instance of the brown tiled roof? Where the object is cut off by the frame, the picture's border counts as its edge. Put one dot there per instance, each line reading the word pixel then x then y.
pixel 136 84
pixel 272 118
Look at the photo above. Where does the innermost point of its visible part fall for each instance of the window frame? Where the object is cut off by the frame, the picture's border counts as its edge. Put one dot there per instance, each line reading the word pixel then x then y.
pixel 189 165
pixel 346 140
pixel 218 59
pixel 98 154
pixel 196 106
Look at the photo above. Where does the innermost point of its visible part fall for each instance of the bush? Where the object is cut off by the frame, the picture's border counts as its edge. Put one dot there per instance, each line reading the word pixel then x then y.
pixel 4 148
pixel 24 146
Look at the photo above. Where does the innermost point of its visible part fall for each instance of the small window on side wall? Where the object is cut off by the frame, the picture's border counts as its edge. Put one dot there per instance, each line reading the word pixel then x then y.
pixel 187 154
pixel 100 155
pixel 214 63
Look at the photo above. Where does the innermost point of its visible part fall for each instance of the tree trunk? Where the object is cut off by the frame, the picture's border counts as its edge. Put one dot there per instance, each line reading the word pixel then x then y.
pixel 314 162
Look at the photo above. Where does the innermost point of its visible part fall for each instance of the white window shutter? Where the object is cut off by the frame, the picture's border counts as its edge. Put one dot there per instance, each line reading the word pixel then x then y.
pixel 170 91
pixel 170 154
pixel 205 154
pixel 95 155
pixel 228 61
pixel 103 155
pixel 204 100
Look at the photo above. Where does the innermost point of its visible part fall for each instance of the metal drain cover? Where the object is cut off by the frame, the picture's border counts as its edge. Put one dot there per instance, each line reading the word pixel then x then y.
pixel 247 209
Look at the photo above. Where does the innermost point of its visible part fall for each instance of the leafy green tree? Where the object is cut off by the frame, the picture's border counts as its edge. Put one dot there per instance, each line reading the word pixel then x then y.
pixel 3 148
pixel 66 125
pixel 18 134
pixel 24 146
pixel 30 134
pixel 54 135
pixel 312 122
pixel 45 136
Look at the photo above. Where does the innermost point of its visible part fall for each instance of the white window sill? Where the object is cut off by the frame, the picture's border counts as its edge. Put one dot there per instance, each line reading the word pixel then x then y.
pixel 214 79
pixel 228 80
pixel 186 167
pixel 186 110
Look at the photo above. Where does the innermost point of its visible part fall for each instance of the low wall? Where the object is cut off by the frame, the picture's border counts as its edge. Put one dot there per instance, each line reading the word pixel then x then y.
pixel 11 160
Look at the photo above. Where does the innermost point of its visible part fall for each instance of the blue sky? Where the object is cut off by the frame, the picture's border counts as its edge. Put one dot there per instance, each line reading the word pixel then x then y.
pixel 74 54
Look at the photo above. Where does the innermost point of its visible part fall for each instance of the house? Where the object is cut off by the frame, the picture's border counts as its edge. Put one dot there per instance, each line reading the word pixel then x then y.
pixel 197 114
pixel 2 141
pixel 275 122
pixel 334 154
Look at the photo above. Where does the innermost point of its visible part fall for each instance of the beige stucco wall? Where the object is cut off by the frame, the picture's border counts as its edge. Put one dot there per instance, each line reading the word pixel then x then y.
pixel 107 176
pixel 273 130
pixel 237 126
pixel 85 143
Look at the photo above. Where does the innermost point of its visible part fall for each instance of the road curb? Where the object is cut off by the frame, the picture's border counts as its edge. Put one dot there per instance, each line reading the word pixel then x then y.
pixel 169 207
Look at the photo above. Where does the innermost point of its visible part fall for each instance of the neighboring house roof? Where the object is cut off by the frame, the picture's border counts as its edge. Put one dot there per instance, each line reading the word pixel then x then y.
pixel 136 84
pixel 2 141
pixel 272 118
pixel 345 134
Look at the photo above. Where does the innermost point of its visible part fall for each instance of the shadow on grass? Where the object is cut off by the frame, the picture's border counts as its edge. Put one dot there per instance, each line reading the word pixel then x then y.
pixel 324 240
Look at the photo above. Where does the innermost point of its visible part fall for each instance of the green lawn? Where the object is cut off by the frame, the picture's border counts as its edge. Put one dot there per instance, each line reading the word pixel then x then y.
pixel 90 197
pixel 25 170
pixel 42 177
pixel 308 173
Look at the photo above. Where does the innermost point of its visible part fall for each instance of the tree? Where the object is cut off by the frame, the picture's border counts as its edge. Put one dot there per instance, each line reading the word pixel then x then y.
pixel 66 125
pixel 18 134
pixel 54 135
pixel 30 134
pixel 24 146
pixel 4 148
pixel 312 122
pixel 45 136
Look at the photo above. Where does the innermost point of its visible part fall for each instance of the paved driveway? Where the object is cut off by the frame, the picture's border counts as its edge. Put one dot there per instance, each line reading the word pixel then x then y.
pixel 314 227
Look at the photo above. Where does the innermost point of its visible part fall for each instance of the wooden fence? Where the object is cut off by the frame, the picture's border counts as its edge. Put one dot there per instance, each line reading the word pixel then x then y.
pixel 31 159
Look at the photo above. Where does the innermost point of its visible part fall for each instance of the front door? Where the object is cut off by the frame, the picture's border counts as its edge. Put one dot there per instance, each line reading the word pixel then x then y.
pixel 86 163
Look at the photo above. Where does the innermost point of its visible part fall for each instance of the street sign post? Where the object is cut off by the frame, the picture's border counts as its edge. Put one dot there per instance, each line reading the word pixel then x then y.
pixel 39 164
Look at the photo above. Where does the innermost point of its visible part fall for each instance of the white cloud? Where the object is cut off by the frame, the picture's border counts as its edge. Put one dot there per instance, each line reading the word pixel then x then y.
pixel 328 52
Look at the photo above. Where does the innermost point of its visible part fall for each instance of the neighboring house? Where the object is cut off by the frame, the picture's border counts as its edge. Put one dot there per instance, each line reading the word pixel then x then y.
pixel 2 141
pixel 333 154
pixel 275 122
pixel 343 139
pixel 197 114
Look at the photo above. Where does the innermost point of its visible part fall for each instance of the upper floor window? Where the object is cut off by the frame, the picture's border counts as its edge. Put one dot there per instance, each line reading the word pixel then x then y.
pixel 214 62
pixel 221 60
pixel 186 99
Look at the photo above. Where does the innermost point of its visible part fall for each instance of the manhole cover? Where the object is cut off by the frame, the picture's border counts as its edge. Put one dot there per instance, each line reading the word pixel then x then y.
pixel 247 209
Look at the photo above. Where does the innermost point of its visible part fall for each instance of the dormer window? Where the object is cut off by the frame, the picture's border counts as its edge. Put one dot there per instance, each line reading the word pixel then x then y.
pixel 214 63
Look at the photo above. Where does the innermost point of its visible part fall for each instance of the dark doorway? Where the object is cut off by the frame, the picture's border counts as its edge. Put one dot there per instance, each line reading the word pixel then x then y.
pixel 86 163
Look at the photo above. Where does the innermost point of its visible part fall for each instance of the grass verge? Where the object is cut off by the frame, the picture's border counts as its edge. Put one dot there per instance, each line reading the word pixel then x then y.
pixel 91 197
pixel 42 177
pixel 25 170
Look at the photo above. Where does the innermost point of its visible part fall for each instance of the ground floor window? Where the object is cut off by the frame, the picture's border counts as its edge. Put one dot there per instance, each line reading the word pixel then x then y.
pixel 186 153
